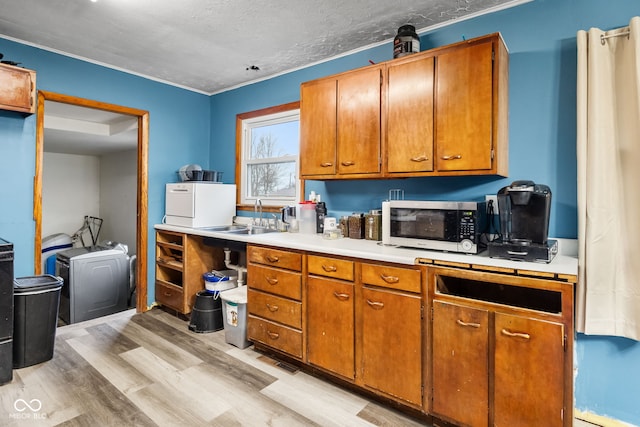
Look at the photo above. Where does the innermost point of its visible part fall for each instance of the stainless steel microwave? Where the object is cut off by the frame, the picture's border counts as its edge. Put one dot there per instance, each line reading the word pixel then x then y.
pixel 434 225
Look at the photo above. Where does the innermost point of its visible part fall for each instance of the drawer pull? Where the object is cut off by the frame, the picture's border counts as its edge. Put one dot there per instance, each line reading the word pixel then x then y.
pixel 456 157
pixel 347 163
pixel 271 280
pixel 326 164
pixel 515 334
pixel 168 293
pixel 341 297
pixel 375 304
pixel 272 308
pixel 422 158
pixel 390 279
pixel 273 335
pixel 329 268
pixel 272 258
pixel 468 324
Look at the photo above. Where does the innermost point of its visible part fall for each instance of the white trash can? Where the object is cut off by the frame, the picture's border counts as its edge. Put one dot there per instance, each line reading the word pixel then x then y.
pixel 234 314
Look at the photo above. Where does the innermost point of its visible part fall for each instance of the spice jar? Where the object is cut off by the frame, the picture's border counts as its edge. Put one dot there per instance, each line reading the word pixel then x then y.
pixel 356 226
pixel 373 225
pixel 343 225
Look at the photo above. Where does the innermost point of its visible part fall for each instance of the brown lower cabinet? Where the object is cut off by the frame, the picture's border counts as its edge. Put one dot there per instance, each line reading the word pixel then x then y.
pixel 495 349
pixel 501 349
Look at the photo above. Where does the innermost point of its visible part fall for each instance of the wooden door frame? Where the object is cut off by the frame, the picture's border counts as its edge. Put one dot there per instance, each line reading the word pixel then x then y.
pixel 142 183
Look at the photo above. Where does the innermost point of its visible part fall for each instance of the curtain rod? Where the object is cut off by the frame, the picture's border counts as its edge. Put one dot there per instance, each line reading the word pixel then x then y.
pixel 603 38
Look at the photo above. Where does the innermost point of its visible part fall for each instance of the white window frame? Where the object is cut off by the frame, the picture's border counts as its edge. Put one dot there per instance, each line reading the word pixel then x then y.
pixel 259 121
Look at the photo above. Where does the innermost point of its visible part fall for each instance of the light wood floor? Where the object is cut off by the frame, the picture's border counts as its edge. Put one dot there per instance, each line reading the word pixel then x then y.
pixel 149 369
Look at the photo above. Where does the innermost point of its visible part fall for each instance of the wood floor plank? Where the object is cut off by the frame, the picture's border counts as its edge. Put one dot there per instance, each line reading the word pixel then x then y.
pixel 206 403
pixel 124 377
pixel 169 352
pixel 225 364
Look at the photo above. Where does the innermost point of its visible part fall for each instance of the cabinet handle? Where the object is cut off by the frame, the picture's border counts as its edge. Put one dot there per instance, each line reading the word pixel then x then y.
pixel 167 294
pixel 469 324
pixel 272 308
pixel 515 334
pixel 329 268
pixel 348 163
pixel 341 297
pixel 326 164
pixel 273 335
pixel 272 258
pixel 422 158
pixel 375 304
pixel 390 279
pixel 457 156
pixel 271 280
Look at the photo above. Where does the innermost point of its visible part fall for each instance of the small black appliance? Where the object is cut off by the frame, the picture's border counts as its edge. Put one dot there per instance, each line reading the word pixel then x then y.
pixel 524 208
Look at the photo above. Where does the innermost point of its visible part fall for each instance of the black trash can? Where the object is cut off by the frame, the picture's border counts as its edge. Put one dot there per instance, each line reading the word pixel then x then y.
pixel 36 300
pixel 206 315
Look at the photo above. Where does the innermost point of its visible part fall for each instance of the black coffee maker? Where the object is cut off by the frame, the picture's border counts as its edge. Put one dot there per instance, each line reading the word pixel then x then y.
pixel 524 208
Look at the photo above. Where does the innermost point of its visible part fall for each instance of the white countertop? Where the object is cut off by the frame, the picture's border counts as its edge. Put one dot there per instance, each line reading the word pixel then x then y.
pixel 566 262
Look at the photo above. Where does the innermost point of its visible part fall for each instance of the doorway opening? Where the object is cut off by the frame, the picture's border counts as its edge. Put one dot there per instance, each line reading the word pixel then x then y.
pixel 141 238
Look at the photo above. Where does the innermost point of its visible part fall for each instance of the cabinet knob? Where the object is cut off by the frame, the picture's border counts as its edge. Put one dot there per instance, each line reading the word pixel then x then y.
pixel 272 308
pixel 422 158
pixel 326 164
pixel 273 335
pixel 456 157
pixel 341 297
pixel 375 304
pixel 329 268
pixel 271 280
pixel 272 258
pixel 389 279
pixel 467 324
pixel 515 334
pixel 348 163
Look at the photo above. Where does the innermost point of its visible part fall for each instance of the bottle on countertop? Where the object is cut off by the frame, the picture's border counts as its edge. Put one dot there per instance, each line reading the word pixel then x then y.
pixel 321 213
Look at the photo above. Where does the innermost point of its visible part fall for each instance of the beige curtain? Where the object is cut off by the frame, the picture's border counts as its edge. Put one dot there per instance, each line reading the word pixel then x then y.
pixel 608 149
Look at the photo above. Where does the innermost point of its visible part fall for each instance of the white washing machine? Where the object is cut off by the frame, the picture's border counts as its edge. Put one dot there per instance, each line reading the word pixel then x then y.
pixel 95 281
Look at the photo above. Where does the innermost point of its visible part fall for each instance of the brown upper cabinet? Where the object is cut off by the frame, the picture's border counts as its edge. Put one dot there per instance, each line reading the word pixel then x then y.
pixel 340 125
pixel 439 112
pixel 17 89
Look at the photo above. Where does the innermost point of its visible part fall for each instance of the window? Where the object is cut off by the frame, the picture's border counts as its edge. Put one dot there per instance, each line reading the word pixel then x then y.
pixel 268 144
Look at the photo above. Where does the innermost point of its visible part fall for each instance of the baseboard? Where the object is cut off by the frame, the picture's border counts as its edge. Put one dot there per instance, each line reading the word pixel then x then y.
pixel 598 420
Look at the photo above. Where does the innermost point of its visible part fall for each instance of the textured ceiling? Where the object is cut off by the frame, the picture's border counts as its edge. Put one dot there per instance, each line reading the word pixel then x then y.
pixel 208 45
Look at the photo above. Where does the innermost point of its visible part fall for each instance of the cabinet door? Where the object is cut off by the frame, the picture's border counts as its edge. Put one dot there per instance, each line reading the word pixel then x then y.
pixel 330 325
pixel 359 122
pixel 392 343
pixel 464 108
pixel 318 128
pixel 409 145
pixel 529 373
pixel 17 89
pixel 461 363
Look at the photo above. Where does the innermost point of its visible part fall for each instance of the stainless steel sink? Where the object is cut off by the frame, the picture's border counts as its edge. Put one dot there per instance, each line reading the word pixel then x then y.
pixel 225 228
pixel 253 230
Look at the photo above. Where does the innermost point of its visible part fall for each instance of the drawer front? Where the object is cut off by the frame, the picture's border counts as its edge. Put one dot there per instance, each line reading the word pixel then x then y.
pixel 330 267
pixel 275 258
pixel 274 308
pixel 279 282
pixel 171 296
pixel 404 279
pixel 277 336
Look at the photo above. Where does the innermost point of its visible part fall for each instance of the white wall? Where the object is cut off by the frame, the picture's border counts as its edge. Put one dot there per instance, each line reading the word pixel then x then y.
pixel 104 187
pixel 70 190
pixel 118 207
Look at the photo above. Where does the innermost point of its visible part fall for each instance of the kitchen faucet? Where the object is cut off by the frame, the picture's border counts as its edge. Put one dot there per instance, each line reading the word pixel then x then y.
pixel 256 206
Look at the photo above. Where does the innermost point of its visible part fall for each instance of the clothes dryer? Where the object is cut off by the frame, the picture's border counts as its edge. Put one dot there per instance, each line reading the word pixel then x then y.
pixel 95 282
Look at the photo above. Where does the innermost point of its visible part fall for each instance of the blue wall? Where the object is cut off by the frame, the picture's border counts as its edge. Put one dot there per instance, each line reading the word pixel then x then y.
pixel 179 133
pixel 187 127
pixel 541 38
